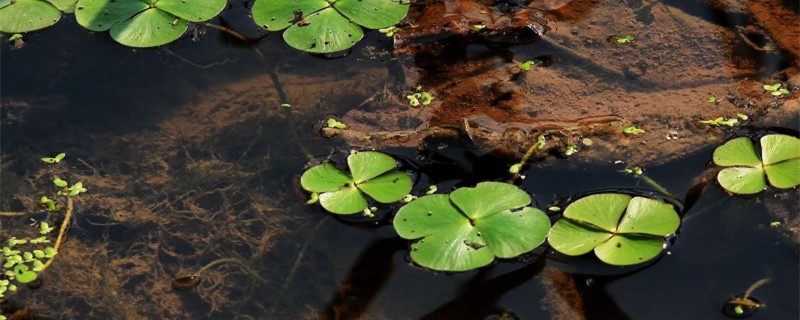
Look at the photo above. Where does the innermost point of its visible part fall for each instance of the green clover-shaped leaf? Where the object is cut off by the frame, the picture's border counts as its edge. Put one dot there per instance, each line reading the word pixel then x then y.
pixel 145 23
pixel 324 26
pixel 372 175
pixel 748 174
pixel 471 226
pixel 622 230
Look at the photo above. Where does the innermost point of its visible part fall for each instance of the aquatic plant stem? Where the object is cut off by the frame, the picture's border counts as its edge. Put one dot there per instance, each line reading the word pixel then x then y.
pixel 12 214
pixel 302 253
pixel 656 186
pixel 61 233
pixel 276 83
pixel 252 273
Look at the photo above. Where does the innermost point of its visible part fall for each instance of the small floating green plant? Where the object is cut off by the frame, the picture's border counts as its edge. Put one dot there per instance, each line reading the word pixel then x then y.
pixel 776 89
pixel 526 66
pixel 632 130
pixel 420 97
pixel 145 23
pixel 30 15
pixel 333 123
pixel 746 173
pixel 721 121
pixel 325 26
pixel 371 173
pixel 621 229
pixel 625 39
pixel 470 227
pixel 23 258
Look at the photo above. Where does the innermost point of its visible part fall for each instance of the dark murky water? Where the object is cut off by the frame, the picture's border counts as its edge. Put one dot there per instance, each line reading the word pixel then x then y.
pixel 227 188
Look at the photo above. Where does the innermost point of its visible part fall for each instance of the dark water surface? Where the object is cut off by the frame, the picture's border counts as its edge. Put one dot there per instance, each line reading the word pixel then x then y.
pixel 229 189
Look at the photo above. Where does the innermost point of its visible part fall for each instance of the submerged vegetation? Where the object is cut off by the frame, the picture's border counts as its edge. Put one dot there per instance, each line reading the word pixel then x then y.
pixel 23 258
pixel 145 23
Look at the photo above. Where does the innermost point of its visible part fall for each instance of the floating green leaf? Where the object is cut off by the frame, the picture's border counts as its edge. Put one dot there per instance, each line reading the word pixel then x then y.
pixel 632 130
pixel 372 175
pixel 59 183
pixel 471 226
pixel 333 123
pixel 29 15
pixel 76 189
pixel 747 174
pixel 776 89
pixel 622 230
pixel 23 274
pixel 324 26
pixel 145 23
pixel 53 160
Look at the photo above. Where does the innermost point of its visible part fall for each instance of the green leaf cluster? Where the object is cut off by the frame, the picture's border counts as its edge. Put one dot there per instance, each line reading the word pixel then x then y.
pixel 23 259
pixel 317 26
pixel 371 173
pixel 469 227
pixel 746 173
pixel 620 229
pixel 53 160
pixel 721 121
pixel 145 23
pixel 776 89
pixel 325 26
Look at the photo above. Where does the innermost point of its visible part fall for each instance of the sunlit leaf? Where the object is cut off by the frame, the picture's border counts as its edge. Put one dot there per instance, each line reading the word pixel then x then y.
pixel 27 15
pixel 488 198
pixel 345 201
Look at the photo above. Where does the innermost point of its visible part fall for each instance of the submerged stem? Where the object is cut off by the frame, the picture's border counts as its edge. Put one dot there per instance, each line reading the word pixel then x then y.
pixel 61 232
pixel 187 281
pixel 276 83
pixel 656 186
pixel 753 287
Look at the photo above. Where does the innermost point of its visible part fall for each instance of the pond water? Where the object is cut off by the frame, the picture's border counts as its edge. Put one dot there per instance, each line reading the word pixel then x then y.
pixel 189 157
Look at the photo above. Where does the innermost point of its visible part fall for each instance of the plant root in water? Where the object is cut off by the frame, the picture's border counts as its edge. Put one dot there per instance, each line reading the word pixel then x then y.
pixel 190 280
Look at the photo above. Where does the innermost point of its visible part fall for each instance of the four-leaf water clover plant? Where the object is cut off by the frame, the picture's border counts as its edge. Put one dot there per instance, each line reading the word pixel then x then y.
pixel 779 162
pixel 325 26
pixel 29 15
pixel 145 23
pixel 371 173
pixel 470 227
pixel 621 229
